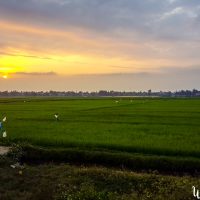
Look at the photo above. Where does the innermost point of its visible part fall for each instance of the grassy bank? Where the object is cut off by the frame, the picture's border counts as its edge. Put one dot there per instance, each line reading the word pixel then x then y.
pixel 137 162
pixel 64 182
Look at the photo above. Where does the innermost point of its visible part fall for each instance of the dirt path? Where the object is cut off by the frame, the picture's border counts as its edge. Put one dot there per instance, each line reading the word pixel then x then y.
pixel 4 150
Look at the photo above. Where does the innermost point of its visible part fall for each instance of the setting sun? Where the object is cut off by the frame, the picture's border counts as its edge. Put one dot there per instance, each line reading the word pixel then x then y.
pixel 5 76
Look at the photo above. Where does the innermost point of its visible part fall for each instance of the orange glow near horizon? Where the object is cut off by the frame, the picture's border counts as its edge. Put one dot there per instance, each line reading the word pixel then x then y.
pixel 39 58
pixel 68 65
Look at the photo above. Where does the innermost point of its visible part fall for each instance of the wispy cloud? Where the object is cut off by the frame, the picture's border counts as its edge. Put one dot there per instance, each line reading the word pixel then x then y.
pixel 35 73
pixel 179 11
pixel 170 78
pixel 175 11
pixel 26 56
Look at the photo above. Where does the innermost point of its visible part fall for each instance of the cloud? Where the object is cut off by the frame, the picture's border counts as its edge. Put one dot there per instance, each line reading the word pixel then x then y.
pixel 97 15
pixel 35 73
pixel 172 1
pixel 163 70
pixel 175 11
pixel 110 18
pixel 170 78
pixel 124 29
pixel 26 56
pixel 179 11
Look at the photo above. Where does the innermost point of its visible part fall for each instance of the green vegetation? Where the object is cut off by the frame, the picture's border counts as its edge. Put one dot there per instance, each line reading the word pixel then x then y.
pixel 129 130
pixel 148 135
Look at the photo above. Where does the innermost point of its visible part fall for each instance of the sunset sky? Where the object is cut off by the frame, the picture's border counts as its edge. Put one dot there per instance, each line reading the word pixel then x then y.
pixel 99 44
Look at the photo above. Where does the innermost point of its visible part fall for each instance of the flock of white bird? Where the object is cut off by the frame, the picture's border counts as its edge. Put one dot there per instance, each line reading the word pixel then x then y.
pixel 4 135
pixel 1 127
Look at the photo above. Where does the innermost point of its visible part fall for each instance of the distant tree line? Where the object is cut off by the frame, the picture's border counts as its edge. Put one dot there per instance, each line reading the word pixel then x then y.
pixel 102 93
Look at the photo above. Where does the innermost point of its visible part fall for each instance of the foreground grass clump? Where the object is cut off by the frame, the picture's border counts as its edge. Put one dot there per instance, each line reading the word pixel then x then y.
pixel 69 182
pixel 137 162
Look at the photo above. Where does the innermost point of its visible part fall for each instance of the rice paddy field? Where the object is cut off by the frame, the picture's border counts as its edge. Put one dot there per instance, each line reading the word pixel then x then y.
pixel 147 126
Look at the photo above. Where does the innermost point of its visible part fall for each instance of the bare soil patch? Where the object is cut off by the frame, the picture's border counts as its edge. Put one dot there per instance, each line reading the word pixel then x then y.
pixel 4 150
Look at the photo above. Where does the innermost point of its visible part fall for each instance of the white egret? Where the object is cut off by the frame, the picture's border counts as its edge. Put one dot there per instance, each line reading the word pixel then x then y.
pixel 4 119
pixel 4 134
pixel 56 116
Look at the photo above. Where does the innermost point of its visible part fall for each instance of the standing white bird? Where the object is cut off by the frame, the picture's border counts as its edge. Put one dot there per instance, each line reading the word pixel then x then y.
pixel 56 116
pixel 4 119
pixel 4 134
